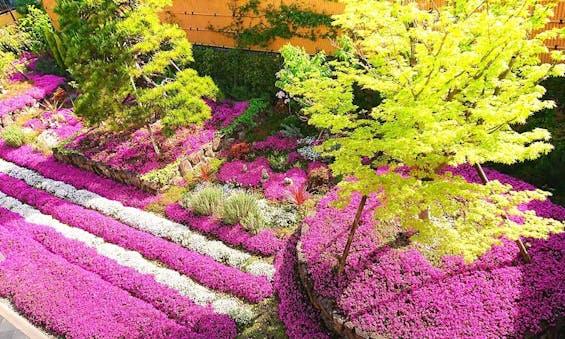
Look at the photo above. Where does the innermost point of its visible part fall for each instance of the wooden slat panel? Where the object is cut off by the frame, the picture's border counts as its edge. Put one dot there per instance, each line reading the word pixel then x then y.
pixel 196 16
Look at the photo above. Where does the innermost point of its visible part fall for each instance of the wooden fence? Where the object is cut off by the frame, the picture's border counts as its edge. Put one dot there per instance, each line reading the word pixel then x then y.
pixel 197 17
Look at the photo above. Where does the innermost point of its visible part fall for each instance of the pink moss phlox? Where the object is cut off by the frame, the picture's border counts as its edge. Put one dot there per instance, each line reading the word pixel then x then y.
pixel 247 174
pixel 295 311
pixel 200 267
pixel 398 293
pixel 47 166
pixel 275 142
pixel 44 85
pixel 262 243
pixel 225 112
pixel 68 300
pixel 293 157
pixel 276 188
pixel 142 286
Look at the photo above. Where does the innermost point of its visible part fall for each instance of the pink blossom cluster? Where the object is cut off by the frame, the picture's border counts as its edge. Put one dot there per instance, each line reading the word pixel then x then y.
pixel 298 315
pixel 199 267
pixel 281 185
pixel 263 243
pixel 397 292
pixel 44 85
pixel 134 152
pixel 224 112
pixel 247 174
pixel 47 166
pixel 73 302
pixel 275 142
pixel 63 123
pixel 201 321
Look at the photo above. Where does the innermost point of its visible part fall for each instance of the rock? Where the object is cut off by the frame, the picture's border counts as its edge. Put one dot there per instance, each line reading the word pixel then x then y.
pixel 216 144
pixel 2 257
pixel 244 169
pixel 288 181
pixel 209 152
pixel 196 157
pixel 185 168
pixel 7 120
pixel 264 175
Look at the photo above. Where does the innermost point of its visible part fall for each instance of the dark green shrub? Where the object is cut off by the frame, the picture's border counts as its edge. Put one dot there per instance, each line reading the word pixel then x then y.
pixel 240 74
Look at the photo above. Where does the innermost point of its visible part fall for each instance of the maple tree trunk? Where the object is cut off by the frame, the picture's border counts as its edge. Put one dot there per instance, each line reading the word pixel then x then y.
pixel 523 251
pixel 343 257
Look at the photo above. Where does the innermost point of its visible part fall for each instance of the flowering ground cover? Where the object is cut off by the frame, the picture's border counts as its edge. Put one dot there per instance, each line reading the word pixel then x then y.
pixel 396 292
pixel 199 267
pixel 68 300
pixel 43 85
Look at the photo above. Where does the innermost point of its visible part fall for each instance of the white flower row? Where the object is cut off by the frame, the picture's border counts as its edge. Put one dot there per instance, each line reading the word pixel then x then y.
pixel 142 220
pixel 184 285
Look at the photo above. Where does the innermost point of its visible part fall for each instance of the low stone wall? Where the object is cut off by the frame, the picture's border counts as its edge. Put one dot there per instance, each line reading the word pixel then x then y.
pixel 125 177
pixel 345 329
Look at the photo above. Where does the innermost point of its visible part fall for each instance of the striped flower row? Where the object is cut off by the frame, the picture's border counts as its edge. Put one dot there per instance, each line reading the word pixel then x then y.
pixel 133 260
pixel 141 220
pixel 142 286
pixel 71 302
pixel 199 267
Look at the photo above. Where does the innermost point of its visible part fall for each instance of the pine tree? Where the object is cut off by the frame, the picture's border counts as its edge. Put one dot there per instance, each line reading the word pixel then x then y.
pixel 131 68
pixel 453 81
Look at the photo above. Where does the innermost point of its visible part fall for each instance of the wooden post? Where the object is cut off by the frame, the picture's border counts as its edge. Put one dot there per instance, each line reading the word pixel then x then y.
pixel 523 250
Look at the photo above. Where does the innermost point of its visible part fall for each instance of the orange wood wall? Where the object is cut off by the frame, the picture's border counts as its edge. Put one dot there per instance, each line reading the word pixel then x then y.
pixel 196 16
pixel 6 19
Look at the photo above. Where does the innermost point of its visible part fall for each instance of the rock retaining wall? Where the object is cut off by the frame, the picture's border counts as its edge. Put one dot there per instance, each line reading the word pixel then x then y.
pixel 126 177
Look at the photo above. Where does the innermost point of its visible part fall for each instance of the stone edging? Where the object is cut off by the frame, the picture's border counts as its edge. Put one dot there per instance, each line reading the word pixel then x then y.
pixel 125 177
pixel 333 320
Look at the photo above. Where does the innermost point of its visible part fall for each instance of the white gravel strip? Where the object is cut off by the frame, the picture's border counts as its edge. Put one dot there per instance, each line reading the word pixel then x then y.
pixel 142 220
pixel 199 294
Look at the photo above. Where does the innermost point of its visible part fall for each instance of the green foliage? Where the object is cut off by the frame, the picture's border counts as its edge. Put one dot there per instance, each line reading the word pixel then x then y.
pixel 24 7
pixel 247 119
pixel 242 208
pixel 130 68
pixel 37 24
pixel 14 40
pixel 13 135
pixel 163 176
pixel 452 80
pixel 278 161
pixel 58 50
pixel 205 202
pixel 241 75
pixel 284 21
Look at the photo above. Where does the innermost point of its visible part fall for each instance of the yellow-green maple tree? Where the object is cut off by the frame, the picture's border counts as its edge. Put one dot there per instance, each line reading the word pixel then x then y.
pixel 453 81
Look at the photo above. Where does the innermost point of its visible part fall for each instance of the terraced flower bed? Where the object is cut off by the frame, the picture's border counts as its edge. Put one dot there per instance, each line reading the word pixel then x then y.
pixel 390 289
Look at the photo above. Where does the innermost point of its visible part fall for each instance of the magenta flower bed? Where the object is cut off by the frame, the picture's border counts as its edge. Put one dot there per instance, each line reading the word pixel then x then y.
pixel 398 293
pixel 201 320
pixel 70 301
pixel 200 267
pixel 25 156
pixel 247 174
pixel 225 112
pixel 44 85
pixel 134 152
pixel 64 123
pixel 276 189
pixel 263 243
pixel 275 142
pixel 295 311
